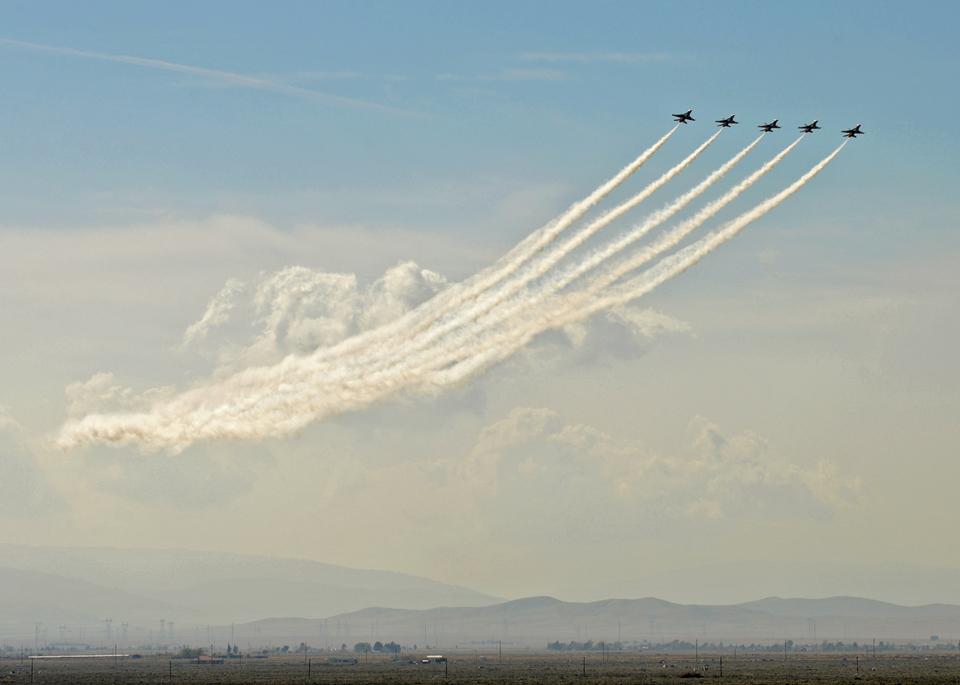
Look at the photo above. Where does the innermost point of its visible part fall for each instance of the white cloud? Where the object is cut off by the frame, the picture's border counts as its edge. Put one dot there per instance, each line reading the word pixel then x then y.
pixel 304 309
pixel 741 472
pixel 399 290
pixel 217 312
pixel 719 476
pixel 298 310
pixel 532 485
pixel 533 475
pixel 625 332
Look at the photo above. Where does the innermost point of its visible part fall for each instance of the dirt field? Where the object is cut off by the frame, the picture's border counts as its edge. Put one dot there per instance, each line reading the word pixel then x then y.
pixel 469 667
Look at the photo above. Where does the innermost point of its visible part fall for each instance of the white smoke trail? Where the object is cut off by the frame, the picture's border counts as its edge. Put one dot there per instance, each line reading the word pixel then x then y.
pixel 469 341
pixel 450 299
pixel 486 301
pixel 278 400
pixel 579 306
pixel 203 409
pixel 602 254
pixel 674 237
pixel 380 346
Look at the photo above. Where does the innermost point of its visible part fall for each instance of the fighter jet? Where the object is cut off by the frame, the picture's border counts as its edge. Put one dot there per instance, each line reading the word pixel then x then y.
pixel 809 128
pixel 728 122
pixel 685 117
pixel 853 132
pixel 768 128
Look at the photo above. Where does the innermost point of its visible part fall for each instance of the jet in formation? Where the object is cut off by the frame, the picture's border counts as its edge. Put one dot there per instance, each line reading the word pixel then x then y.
pixel 852 132
pixel 768 128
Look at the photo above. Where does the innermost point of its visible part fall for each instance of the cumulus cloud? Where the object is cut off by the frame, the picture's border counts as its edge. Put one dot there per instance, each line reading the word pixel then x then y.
pixel 532 483
pixel 717 476
pixel 297 310
pixel 217 312
pixel 742 472
pixel 399 290
pixel 624 332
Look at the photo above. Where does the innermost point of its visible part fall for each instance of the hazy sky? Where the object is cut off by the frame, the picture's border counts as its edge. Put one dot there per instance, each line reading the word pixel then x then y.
pixel 794 397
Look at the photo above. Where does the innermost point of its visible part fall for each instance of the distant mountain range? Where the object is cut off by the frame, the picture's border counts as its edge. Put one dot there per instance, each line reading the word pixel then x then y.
pixel 84 586
pixel 100 596
pixel 536 621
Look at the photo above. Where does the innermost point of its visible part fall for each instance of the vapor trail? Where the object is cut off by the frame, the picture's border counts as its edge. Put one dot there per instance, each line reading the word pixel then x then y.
pixel 602 254
pixel 202 412
pixel 485 301
pixel 434 309
pixel 673 237
pixel 227 77
pixel 579 306
pixel 468 341
pixel 277 400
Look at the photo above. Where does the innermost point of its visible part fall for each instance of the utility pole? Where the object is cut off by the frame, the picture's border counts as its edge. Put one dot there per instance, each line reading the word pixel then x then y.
pixel 584 667
pixel 721 666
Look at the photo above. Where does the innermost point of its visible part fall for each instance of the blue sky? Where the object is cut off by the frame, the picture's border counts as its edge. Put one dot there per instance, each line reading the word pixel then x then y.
pixel 524 92
pixel 800 384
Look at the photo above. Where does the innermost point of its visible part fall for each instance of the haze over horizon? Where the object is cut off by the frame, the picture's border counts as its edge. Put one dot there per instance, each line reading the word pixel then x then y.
pixel 192 209
pixel 60 596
